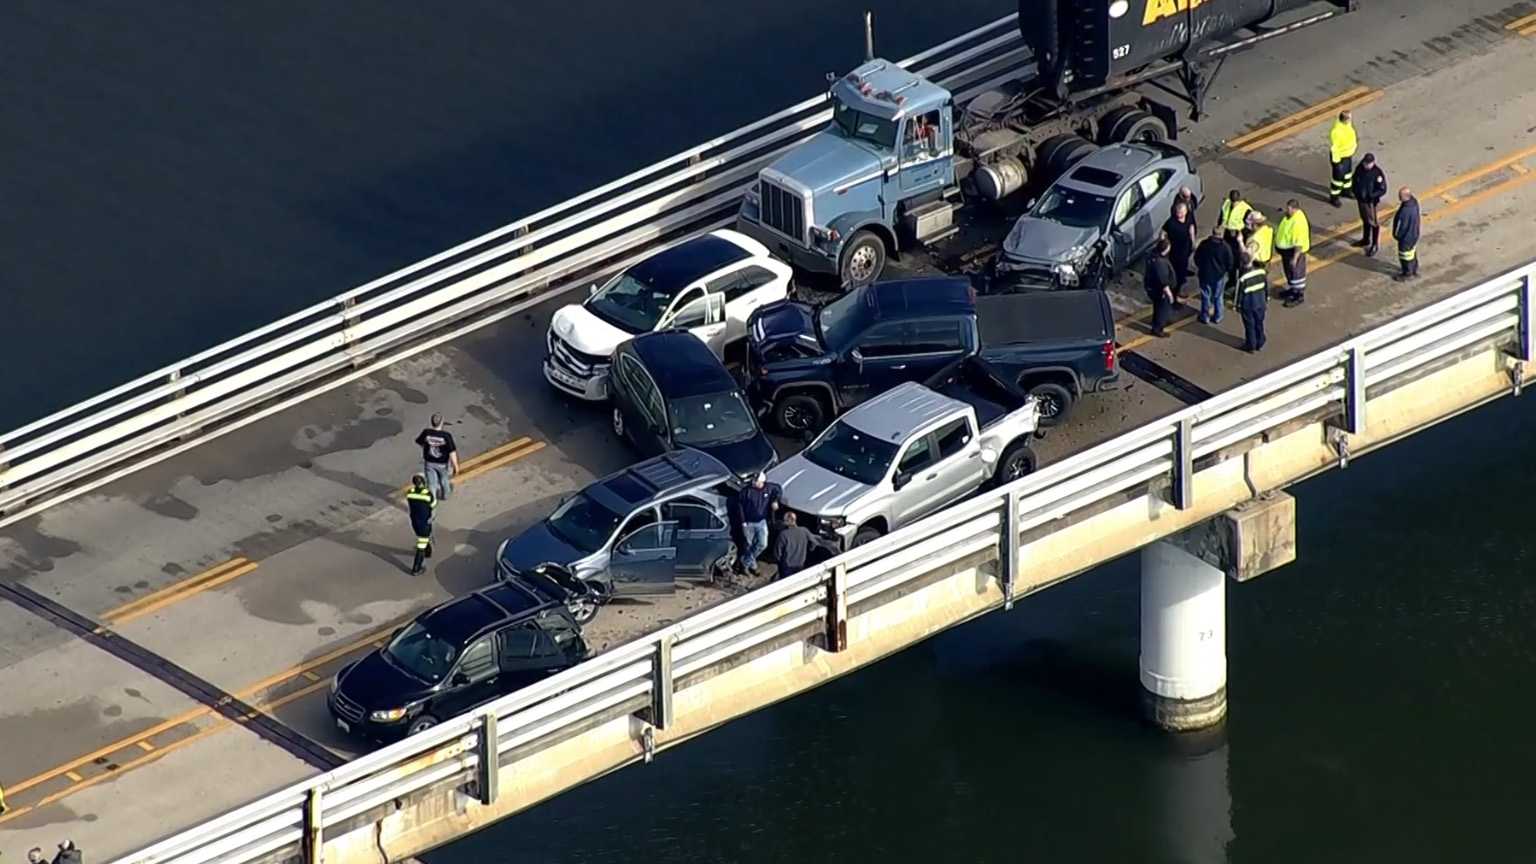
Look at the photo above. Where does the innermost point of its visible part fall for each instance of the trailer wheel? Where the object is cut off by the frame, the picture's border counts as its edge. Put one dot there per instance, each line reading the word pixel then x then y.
pixel 1060 152
pixel 1131 124
pixel 863 260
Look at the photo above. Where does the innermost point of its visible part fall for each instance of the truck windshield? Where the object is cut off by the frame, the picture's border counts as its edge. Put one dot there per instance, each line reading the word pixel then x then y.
pixel 422 654
pixel 854 123
pixel 847 451
pixel 719 418
pixel 838 322
pixel 630 303
pixel 584 523
pixel 1074 208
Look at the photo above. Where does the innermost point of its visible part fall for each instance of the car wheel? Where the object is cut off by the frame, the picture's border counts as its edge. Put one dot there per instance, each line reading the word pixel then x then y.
pixel 1018 461
pixel 1055 401
pixel 863 260
pixel 1134 125
pixel 799 414
pixel 723 566
pixel 866 534
pixel 618 422
pixel 583 609
pixel 421 724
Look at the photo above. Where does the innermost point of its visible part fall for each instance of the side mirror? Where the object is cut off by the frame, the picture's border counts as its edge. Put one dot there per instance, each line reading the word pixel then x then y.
pixel 593 290
pixel 901 479
pixel 459 679
pixel 858 359
pixel 1030 204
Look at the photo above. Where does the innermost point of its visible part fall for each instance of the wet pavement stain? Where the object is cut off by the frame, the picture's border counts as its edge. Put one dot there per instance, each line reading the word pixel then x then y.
pixel 171 568
pixel 37 550
pixel 170 506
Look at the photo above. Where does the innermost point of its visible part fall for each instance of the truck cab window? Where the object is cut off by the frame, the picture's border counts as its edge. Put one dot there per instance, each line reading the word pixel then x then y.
pixel 953 437
pixel 853 123
pixel 923 135
pixel 935 336
pixel 885 340
pixel 919 455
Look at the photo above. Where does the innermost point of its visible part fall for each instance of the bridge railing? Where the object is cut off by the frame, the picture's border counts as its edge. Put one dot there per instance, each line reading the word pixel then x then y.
pixel 469 286
pixel 640 678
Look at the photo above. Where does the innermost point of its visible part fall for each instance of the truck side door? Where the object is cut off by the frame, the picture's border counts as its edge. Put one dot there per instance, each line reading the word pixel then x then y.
pixel 960 468
pixel 923 154
pixel 917 477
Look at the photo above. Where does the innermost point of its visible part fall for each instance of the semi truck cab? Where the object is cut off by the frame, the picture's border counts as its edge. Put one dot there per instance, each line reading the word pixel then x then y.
pixel 881 173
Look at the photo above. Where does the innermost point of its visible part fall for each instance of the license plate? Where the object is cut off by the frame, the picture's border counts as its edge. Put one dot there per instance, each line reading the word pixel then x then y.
pixel 562 377
pixel 343 726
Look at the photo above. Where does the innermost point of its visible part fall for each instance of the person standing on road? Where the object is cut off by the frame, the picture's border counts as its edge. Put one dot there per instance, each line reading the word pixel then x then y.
pixel 1159 283
pixel 420 501
pixel 1405 230
pixel 1213 263
pixel 1180 230
pixel 756 500
pixel 1370 186
pixel 1186 197
pixel 1293 239
pixel 1252 302
pixel 35 855
pixel 1234 211
pixel 1341 154
pixel 793 546
pixel 439 456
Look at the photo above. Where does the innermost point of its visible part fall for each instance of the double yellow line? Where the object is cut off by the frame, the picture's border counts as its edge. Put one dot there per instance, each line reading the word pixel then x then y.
pixel 494 458
pixel 230 570
pixel 1520 175
pixel 1523 26
pixel 1304 119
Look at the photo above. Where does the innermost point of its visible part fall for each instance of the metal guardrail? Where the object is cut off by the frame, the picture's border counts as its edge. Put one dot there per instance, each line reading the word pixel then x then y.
pixel 469 286
pixel 641 676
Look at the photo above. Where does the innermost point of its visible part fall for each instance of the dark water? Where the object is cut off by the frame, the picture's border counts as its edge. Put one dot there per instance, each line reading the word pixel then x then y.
pixel 1379 712
pixel 173 174
pixel 176 173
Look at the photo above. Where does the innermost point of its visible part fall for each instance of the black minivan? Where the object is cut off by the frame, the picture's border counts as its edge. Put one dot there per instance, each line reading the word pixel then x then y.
pixel 670 391
pixel 456 656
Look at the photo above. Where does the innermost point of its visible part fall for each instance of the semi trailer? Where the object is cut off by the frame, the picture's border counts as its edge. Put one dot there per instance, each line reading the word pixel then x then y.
pixel 902 159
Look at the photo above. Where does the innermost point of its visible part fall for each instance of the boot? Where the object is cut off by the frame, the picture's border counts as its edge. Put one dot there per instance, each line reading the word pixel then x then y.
pixel 429 548
pixel 1374 244
pixel 416 566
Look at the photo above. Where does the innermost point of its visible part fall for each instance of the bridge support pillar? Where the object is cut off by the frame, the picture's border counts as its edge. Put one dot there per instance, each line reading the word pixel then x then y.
pixel 1183 639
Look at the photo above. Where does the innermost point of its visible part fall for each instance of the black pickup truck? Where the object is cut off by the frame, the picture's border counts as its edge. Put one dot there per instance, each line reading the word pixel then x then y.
pixel 805 365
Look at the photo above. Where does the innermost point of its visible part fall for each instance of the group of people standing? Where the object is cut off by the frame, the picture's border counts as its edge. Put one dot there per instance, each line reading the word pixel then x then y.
pixel 1232 264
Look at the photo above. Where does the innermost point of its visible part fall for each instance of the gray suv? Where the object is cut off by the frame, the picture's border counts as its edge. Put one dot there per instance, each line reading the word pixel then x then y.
pixel 634 532
pixel 1099 218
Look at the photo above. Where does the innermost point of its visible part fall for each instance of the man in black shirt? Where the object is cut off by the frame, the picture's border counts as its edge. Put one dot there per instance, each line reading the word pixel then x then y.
pixel 794 545
pixel 1213 263
pixel 1160 280
pixel 440 456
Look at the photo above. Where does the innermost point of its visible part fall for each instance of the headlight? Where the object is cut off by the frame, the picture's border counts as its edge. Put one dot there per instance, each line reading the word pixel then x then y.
pixel 335 682
pixel 388 715
pixel 833 523
pixel 751 195
pixel 1066 273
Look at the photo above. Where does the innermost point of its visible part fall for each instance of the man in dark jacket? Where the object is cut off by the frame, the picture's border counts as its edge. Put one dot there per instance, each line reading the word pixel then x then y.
pixel 757 501
pixel 1213 263
pixel 794 545
pixel 1405 230
pixel 1370 186
pixel 1160 281
pixel 1180 231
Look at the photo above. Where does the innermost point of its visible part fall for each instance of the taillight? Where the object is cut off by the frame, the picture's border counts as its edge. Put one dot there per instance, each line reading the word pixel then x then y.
pixel 1109 356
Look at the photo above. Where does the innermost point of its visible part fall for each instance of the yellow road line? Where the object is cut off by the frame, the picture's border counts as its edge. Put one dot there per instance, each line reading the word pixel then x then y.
pixel 1521 23
pixel 1529 31
pixel 477 461
pixel 73 776
pixel 500 461
pixel 142 738
pixel 1519 169
pixel 217 575
pixel 1304 119
pixel 145 746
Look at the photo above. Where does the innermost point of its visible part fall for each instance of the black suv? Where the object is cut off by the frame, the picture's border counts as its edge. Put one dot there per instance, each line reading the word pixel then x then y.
pixel 455 657
pixel 806 366
pixel 670 391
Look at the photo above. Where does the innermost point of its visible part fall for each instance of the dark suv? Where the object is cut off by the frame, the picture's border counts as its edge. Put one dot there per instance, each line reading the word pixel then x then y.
pixel 806 366
pixel 670 391
pixel 455 657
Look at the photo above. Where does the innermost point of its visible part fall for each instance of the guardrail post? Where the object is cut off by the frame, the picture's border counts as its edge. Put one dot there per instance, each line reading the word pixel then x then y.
pixel 1527 347
pixel 349 319
pixel 314 842
pixel 522 231
pixel 837 608
pixel 1184 464
pixel 488 771
pixel 1354 393
pixel 661 683
pixel 180 393
pixel 1008 557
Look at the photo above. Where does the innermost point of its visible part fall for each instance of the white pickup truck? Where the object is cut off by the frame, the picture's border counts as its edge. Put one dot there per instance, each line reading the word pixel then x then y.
pixel 909 452
pixel 708 286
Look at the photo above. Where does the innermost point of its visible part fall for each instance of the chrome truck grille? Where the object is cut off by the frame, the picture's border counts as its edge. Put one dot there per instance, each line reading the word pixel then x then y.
pixel 782 210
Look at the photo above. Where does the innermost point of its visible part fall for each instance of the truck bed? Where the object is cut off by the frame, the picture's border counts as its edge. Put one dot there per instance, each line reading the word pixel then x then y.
pixel 973 381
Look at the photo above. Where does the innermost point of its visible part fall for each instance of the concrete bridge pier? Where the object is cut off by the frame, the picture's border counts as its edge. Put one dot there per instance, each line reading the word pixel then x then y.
pixel 1183 660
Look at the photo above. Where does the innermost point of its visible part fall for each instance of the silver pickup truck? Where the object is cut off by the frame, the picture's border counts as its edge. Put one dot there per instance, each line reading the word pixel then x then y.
pixel 911 451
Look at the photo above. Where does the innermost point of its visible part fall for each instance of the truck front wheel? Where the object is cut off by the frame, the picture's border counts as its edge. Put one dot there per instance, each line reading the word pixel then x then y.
pixel 863 260
pixel 866 534
pixel 800 414
pixel 1055 401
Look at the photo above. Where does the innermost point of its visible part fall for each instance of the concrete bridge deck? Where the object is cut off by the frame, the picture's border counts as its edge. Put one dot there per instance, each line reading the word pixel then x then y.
pixel 147 621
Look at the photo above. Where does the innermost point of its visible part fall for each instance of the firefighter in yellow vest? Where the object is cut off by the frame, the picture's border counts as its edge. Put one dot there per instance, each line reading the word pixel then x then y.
pixel 1293 239
pixel 421 503
pixel 1342 144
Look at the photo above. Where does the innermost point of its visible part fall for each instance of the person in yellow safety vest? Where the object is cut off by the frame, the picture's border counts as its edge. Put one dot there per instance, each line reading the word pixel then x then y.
pixel 1234 212
pixel 1258 246
pixel 1293 239
pixel 421 503
pixel 1342 144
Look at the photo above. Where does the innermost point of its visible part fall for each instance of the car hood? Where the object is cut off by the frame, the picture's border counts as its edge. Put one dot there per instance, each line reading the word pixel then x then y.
pixel 539 545
pixel 781 322
pixel 813 489
pixel 375 683
pixel 827 161
pixel 744 457
pixel 586 332
pixel 1035 239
